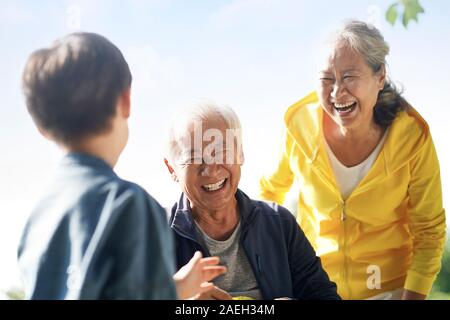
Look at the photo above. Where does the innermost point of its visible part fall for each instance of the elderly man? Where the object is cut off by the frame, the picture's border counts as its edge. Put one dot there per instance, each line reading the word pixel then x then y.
pixel 264 249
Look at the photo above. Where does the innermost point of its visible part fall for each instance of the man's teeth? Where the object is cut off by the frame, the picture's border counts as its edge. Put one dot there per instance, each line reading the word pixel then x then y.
pixel 214 186
pixel 344 105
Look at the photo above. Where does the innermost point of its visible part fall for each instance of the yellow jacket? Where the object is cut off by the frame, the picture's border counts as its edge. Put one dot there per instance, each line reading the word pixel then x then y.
pixel 390 232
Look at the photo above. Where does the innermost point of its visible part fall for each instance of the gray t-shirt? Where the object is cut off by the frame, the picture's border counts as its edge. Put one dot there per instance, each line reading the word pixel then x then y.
pixel 239 279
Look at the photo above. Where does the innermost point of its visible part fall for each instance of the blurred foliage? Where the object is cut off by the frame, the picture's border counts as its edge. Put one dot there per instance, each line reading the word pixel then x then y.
pixel 436 295
pixel 410 9
pixel 441 288
pixel 15 294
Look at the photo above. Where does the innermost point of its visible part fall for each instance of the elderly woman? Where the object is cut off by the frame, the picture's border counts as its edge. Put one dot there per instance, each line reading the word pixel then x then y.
pixel 370 196
pixel 264 249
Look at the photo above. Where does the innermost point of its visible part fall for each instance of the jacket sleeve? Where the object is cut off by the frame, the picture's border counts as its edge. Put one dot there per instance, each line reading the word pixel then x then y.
pixel 133 256
pixel 309 279
pixel 426 219
pixel 275 185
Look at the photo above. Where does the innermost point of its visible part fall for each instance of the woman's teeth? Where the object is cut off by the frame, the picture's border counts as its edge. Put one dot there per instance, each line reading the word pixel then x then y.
pixel 344 108
pixel 214 186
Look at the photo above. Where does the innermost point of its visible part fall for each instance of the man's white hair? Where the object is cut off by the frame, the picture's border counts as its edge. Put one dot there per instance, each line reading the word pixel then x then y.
pixel 199 113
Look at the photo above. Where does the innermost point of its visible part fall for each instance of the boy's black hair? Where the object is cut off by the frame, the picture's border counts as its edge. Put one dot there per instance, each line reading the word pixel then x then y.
pixel 72 88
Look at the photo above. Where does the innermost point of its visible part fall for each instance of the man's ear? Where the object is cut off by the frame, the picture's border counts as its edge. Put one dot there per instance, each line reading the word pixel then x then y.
pixel 124 103
pixel 171 170
pixel 241 157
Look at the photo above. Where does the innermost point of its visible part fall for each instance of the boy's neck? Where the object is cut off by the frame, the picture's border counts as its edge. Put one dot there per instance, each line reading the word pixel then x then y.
pixel 99 146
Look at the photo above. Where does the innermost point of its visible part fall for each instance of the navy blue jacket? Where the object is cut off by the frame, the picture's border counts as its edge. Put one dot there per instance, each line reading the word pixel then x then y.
pixel 96 236
pixel 282 259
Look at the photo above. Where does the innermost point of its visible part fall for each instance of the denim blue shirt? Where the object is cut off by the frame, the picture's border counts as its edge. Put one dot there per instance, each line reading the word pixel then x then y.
pixel 96 236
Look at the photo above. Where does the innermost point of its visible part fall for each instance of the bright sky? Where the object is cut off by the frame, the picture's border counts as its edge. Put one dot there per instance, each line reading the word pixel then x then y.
pixel 256 56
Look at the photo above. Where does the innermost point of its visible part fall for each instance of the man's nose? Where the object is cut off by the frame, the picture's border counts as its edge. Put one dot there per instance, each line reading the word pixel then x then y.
pixel 211 169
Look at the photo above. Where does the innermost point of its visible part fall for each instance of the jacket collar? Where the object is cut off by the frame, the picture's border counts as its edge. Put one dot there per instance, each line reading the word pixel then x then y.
pixel 182 221
pixel 405 138
pixel 86 160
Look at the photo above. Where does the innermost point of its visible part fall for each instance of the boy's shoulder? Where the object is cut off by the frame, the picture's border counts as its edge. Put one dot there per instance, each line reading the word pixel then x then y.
pixel 123 197
pixel 88 179
pixel 136 192
pixel 88 195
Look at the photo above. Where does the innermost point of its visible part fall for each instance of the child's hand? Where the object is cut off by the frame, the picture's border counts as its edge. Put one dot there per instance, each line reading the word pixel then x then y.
pixel 214 293
pixel 194 277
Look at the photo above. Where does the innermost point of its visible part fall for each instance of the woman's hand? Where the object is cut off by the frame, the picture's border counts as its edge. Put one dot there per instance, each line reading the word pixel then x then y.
pixel 193 278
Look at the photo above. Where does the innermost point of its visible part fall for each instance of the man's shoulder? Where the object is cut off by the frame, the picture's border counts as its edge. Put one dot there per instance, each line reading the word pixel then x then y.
pixel 272 209
pixel 269 217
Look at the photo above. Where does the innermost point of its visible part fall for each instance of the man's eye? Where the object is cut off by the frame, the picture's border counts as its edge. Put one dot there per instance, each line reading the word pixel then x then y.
pixel 197 160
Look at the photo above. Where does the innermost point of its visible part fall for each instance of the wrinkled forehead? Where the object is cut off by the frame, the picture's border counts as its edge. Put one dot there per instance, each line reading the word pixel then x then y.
pixel 198 134
pixel 207 140
pixel 210 123
pixel 337 54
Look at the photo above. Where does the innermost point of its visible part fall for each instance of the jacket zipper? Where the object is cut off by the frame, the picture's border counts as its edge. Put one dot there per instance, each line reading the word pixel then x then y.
pixel 343 241
pixel 344 248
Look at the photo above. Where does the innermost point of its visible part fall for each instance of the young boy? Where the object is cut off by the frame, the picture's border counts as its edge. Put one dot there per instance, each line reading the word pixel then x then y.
pixel 94 235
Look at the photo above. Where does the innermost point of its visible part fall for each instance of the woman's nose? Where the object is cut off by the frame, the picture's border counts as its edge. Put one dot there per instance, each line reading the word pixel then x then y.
pixel 337 90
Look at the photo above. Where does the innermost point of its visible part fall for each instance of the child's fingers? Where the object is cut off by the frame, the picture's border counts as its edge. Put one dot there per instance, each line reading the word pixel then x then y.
pixel 212 272
pixel 205 286
pixel 209 261
pixel 215 293
pixel 219 294
pixel 196 258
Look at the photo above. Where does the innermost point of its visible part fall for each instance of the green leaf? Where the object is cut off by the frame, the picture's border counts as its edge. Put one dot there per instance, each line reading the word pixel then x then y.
pixel 391 13
pixel 412 10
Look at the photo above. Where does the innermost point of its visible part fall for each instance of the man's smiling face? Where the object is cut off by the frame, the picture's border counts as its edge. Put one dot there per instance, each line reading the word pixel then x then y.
pixel 209 176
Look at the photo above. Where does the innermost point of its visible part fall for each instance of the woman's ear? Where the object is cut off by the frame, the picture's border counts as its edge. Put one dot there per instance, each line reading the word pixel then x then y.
pixel 171 170
pixel 381 77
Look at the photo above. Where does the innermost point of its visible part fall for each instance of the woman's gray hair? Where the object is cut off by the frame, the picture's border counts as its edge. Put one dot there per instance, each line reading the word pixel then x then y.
pixel 200 113
pixel 369 42
pixel 364 39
